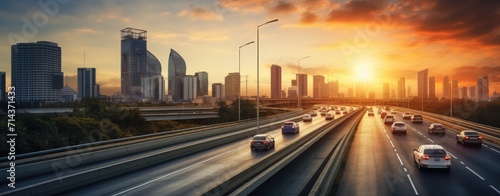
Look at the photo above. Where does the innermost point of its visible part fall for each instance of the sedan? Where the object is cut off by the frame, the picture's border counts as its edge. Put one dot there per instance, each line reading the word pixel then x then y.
pixel 436 128
pixel 393 111
pixel 313 113
pixel 323 112
pixel 417 119
pixel 406 115
pixel 261 142
pixel 388 119
pixel 370 113
pixel 329 116
pixel 383 114
pixel 398 127
pixel 290 127
pixel 337 111
pixel 431 156
pixel 469 137
pixel 307 117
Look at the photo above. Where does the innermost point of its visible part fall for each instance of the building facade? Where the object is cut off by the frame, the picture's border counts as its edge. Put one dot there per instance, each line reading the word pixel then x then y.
pixel 275 81
pixel 483 90
pixel 319 87
pixel 446 87
pixel 232 83
pixel 401 88
pixel 153 88
pixel 86 83
pixel 176 73
pixel 432 87
pixel 218 90
pixel 202 85
pixel 189 88
pixel 133 62
pixel 454 89
pixel 423 86
pixel 302 84
pixel 36 72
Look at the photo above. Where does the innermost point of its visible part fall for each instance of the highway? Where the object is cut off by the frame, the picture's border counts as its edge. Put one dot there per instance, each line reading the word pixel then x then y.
pixel 381 163
pixel 197 173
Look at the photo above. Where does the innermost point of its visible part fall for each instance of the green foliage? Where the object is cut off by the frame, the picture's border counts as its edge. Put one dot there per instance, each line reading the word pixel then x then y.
pixel 230 112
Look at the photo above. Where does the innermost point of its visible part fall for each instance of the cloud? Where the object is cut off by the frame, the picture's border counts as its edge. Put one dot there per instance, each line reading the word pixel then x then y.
pixel 198 13
pixel 470 74
pixel 244 6
pixel 283 7
pixel 355 11
pixel 87 31
pixel 308 18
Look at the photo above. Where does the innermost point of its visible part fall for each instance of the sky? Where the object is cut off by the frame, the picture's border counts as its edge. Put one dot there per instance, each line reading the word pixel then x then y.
pixel 369 41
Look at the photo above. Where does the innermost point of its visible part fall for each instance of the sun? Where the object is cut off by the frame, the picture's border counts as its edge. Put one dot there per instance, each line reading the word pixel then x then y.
pixel 363 72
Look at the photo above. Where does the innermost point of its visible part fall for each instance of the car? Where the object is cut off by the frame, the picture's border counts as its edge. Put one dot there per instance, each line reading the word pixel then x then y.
pixel 383 114
pixel 307 118
pixel 393 111
pixel 370 113
pixel 379 111
pixel 436 128
pixel 313 113
pixel 398 127
pixel 290 127
pixel 388 119
pixel 407 115
pixel 417 118
pixel 329 116
pixel 337 111
pixel 469 137
pixel 323 113
pixel 351 109
pixel 262 142
pixel 345 112
pixel 431 156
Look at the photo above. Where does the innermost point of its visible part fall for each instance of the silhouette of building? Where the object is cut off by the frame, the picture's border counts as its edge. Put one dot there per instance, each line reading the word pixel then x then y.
pixel 133 62
pixel 36 72
pixel 463 93
pixel 232 83
pixel 401 88
pixel 454 89
pixel 68 94
pixel 423 91
pixel 302 84
pixel 275 81
pixel 333 88
pixel 2 86
pixel 446 87
pixel 189 86
pixel 202 85
pixel 432 87
pixel 472 93
pixel 320 88
pixel 483 90
pixel 176 73
pixel 86 83
pixel 218 90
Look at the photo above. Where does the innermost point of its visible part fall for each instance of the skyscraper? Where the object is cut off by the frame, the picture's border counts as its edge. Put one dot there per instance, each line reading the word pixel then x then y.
pixel 2 85
pixel 318 87
pixel 232 83
pixel 423 84
pixel 472 93
pixel 446 87
pixel 302 84
pixel 275 81
pixel 385 91
pixel 86 83
pixel 483 91
pixel 463 93
pixel 189 86
pixel 454 89
pixel 133 62
pixel 432 87
pixel 176 73
pixel 202 83
pixel 36 72
pixel 218 90
pixel 401 88
pixel 333 88
pixel 153 88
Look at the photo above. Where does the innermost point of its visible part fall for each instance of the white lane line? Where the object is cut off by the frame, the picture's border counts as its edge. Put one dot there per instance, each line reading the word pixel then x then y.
pixel 474 173
pixel 495 189
pixel 484 145
pixel 166 175
pixel 430 140
pixel 462 163
pixel 395 150
pixel 387 136
pixel 411 182
pixel 495 150
pixel 399 158
pixel 452 155
pixel 391 143
pixel 405 170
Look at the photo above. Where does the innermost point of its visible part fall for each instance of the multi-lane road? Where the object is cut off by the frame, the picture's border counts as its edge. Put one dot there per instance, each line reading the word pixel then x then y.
pixel 381 163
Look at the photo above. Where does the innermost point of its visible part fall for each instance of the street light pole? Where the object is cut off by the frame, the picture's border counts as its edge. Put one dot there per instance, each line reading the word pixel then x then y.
pixel 298 81
pixel 239 73
pixel 258 66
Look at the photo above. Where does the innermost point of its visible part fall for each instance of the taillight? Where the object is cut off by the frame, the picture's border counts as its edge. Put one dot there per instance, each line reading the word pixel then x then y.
pixel 282 127
pixel 265 142
pixel 480 137
pixel 393 129
pixel 425 157
pixel 446 157
pixel 252 142
pixel 293 127
pixel 466 137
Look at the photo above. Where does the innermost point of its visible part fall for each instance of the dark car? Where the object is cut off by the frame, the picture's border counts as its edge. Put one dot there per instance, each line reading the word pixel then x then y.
pixel 290 127
pixel 261 142
pixel 383 114
pixel 417 118
pixel 436 128
pixel 469 137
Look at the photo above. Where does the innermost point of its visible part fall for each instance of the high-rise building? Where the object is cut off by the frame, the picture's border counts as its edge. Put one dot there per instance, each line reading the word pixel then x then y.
pixel 283 94
pixel 454 89
pixel 292 92
pixel 318 87
pixel 232 83
pixel 86 83
pixel 218 90
pixel 189 86
pixel 360 90
pixel 393 93
pixel 423 84
pixel 385 91
pixel 133 62
pixel 401 88
pixel 463 93
pixel 409 91
pixel 483 90
pixel 302 84
pixel 472 93
pixel 176 73
pixel 36 72
pixel 294 82
pixel 2 86
pixel 153 88
pixel 202 83
pixel 333 88
pixel 275 81
pixel 446 87
pixel 432 87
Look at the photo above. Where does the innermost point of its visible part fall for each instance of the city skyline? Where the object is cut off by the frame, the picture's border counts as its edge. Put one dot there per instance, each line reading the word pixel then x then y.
pixel 194 28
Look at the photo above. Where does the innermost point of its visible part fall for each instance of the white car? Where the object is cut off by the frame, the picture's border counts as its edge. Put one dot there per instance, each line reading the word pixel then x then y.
pixel 393 111
pixel 388 119
pixel 307 117
pixel 406 115
pixel 431 156
pixel 329 116
pixel 398 127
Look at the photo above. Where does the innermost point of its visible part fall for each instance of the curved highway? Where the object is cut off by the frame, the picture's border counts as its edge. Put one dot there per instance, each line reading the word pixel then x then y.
pixel 381 163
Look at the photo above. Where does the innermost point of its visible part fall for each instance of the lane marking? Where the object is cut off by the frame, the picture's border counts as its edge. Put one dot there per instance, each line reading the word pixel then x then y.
pixel 452 155
pixel 411 182
pixel 399 158
pixel 462 163
pixel 484 145
pixel 495 189
pixel 387 136
pixel 395 150
pixel 391 143
pixel 495 150
pixel 175 172
pixel 405 170
pixel 430 140
pixel 474 173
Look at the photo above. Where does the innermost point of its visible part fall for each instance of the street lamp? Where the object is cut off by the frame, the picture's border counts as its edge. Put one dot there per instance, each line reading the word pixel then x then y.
pixel 239 73
pixel 298 80
pixel 258 66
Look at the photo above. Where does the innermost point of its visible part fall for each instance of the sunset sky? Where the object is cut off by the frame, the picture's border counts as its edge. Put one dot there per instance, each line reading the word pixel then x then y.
pixel 374 41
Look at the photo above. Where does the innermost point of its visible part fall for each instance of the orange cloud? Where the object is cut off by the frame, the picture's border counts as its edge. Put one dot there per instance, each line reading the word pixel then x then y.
pixel 198 13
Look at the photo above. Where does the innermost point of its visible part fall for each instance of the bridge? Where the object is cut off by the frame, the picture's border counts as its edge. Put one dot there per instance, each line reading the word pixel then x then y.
pixel 358 150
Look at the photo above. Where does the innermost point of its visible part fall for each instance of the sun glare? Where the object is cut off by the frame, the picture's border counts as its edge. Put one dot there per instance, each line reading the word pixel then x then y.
pixel 363 72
